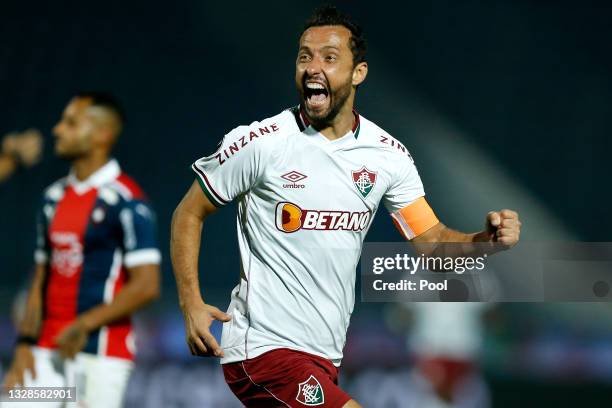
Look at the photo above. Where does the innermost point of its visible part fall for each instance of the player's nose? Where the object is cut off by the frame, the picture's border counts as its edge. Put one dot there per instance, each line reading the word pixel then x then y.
pixel 56 130
pixel 313 67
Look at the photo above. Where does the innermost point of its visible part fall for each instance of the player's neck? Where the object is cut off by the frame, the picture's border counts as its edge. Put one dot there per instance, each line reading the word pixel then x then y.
pixel 342 123
pixel 86 166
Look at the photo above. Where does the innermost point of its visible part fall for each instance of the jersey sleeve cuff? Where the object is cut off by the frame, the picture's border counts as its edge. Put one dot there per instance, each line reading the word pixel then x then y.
pixel 142 257
pixel 207 188
pixel 40 256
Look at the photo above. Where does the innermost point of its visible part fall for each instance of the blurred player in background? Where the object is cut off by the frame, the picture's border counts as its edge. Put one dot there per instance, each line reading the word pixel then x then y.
pixel 19 149
pixel 308 182
pixel 97 262
pixel 446 340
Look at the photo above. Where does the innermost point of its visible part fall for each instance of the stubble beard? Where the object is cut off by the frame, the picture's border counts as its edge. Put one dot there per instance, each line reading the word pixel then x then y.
pixel 338 98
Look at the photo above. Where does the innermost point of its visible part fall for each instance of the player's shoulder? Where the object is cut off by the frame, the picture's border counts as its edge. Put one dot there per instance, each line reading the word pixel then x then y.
pixel 273 126
pixel 258 136
pixel 54 192
pixel 376 137
pixel 122 189
pixel 282 122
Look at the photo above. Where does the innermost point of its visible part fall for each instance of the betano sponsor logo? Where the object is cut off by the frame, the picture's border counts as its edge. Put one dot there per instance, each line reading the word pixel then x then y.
pixel 290 218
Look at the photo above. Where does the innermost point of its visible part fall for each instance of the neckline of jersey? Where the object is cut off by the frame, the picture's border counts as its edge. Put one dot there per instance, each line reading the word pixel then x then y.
pixel 105 174
pixel 304 124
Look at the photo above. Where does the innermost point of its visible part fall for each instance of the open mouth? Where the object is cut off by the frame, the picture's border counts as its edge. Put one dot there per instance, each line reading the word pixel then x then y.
pixel 316 94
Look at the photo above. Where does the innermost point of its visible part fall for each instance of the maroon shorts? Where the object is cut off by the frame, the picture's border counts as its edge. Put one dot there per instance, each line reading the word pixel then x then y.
pixel 285 378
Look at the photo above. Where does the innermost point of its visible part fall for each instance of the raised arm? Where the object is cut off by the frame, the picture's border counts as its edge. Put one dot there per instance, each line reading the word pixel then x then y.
pixel 19 149
pixel 186 232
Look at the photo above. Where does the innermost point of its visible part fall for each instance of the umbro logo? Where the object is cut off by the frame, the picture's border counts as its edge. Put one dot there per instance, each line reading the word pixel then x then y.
pixel 294 177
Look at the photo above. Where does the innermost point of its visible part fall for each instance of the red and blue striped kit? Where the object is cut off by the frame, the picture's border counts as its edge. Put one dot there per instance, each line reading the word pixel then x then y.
pixel 89 233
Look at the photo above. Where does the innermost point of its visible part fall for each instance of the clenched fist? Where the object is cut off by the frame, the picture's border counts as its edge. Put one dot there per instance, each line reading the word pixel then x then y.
pixel 503 227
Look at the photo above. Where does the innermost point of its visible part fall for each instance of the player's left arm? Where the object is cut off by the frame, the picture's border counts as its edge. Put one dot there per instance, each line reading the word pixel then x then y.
pixel 141 260
pixel 502 228
pixel 416 220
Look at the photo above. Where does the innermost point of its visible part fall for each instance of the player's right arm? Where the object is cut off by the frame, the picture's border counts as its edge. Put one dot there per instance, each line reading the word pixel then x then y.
pixel 186 230
pixel 27 329
pixel 233 170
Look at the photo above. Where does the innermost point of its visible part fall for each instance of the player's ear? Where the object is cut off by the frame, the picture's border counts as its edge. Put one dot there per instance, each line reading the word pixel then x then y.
pixel 105 135
pixel 359 73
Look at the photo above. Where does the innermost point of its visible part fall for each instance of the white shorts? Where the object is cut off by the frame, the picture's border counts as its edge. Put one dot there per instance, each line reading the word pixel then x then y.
pixel 100 381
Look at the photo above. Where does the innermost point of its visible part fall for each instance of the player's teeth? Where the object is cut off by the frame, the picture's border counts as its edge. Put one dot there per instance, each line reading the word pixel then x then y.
pixel 315 86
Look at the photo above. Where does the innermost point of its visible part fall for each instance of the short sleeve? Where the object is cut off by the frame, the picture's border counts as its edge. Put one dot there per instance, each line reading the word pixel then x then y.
pixel 139 227
pixel 235 167
pixel 43 248
pixel 405 200
pixel 406 185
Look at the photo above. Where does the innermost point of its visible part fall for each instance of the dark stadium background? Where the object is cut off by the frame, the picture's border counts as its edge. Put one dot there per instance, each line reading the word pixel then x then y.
pixel 501 103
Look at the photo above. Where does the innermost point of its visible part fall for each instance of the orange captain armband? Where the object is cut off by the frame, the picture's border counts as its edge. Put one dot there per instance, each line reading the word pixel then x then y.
pixel 415 218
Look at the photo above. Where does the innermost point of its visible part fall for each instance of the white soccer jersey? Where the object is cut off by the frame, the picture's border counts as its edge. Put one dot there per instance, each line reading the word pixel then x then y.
pixel 305 204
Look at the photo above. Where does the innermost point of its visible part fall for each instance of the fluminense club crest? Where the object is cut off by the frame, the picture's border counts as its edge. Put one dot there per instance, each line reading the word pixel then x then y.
pixel 310 392
pixel 364 180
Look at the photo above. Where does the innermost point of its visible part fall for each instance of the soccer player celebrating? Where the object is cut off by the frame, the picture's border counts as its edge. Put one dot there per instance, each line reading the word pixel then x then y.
pixel 308 182
pixel 97 262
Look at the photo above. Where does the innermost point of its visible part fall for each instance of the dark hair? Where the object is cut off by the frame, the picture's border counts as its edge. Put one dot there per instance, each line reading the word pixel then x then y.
pixel 329 15
pixel 104 100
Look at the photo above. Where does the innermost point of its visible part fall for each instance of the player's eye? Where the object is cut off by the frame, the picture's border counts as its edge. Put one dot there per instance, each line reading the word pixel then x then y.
pixel 304 58
pixel 331 58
